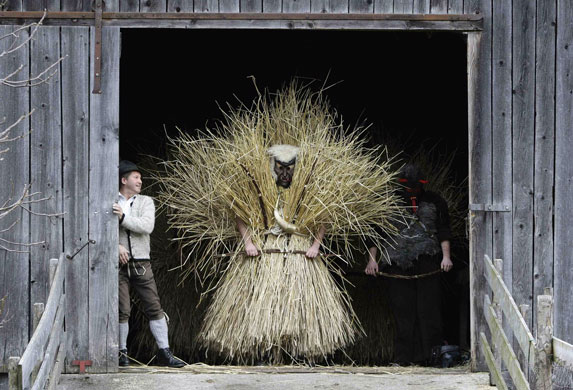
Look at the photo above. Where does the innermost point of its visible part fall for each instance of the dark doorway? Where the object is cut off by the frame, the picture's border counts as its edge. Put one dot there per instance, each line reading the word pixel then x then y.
pixel 410 88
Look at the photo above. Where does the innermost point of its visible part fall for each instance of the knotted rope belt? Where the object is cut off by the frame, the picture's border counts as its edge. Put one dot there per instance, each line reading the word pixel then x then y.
pixel 387 275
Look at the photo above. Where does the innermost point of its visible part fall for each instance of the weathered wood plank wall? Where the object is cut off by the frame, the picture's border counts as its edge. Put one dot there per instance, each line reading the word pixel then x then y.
pixel 563 271
pixel 480 191
pixel 14 176
pixel 45 162
pixel 523 130
pixel 544 148
pixel 75 136
pixel 522 136
pixel 103 225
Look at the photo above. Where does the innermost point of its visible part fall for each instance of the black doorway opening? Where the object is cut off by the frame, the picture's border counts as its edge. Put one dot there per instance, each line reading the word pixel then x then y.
pixel 408 86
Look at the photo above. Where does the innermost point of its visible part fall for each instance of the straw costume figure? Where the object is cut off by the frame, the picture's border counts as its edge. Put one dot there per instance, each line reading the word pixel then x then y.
pixel 254 232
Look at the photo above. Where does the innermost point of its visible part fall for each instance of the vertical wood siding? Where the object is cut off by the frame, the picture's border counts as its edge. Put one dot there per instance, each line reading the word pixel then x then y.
pixel 502 136
pixel 456 6
pixel 296 6
pixel 403 6
pixel 45 161
pixel 14 175
pixel 563 270
pixel 383 6
pixel 523 130
pixel 544 147
pixel 231 6
pixel 103 225
pixel 180 5
pixel 519 153
pixel 272 6
pixel 423 7
pixel 439 6
pixel 254 6
pixel 154 6
pixel 75 139
pixel 361 6
pixel 480 164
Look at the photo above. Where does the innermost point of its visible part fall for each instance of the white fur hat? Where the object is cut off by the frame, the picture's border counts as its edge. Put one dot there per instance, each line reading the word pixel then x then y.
pixel 282 153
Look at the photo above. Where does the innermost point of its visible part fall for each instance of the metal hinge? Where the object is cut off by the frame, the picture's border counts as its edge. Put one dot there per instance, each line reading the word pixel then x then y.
pixel 489 207
pixel 97 48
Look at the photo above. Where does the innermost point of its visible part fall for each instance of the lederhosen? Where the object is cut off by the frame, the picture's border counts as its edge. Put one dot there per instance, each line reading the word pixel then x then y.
pixel 138 274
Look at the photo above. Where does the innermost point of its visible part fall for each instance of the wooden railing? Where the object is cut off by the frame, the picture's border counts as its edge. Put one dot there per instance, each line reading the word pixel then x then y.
pixel 41 364
pixel 539 353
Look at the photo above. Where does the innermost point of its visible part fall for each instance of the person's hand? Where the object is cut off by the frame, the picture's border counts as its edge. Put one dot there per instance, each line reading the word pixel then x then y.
pixel 117 210
pixel 447 264
pixel 371 268
pixel 251 249
pixel 312 252
pixel 123 255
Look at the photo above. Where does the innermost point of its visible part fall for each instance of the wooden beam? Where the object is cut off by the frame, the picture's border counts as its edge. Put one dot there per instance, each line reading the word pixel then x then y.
pixel 235 16
pixel 490 361
pixel 48 359
pixel 562 352
pixel 255 20
pixel 543 355
pixel 37 345
pixel 521 331
pixel 59 363
pixel 479 165
pixel 507 354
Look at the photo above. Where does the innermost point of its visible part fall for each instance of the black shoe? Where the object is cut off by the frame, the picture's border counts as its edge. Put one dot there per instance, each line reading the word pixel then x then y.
pixel 165 358
pixel 123 359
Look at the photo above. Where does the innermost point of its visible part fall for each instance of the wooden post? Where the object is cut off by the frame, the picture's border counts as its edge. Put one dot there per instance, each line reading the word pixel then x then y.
pixel 13 380
pixel 53 267
pixel 543 345
pixel 498 263
pixel 38 311
pixel 523 309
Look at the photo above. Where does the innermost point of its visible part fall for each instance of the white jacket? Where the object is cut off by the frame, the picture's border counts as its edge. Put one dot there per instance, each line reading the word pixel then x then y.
pixel 136 227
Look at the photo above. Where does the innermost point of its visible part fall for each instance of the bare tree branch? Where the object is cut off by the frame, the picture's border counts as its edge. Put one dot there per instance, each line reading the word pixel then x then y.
pixel 33 81
pixel 3 315
pixel 6 133
pixel 10 227
pixel 15 46
pixel 14 41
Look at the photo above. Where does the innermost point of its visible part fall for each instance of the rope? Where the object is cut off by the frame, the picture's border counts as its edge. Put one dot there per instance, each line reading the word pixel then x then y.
pixel 271 251
pixel 418 276
pixel 398 276
pixel 387 275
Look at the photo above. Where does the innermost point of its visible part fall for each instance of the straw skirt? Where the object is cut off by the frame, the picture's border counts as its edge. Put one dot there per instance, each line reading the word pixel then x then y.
pixel 279 302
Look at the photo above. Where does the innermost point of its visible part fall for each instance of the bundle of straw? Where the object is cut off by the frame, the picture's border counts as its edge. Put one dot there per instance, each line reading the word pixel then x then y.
pixel 278 301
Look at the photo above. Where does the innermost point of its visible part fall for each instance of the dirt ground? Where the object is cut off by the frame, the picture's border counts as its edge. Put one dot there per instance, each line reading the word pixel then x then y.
pixel 201 377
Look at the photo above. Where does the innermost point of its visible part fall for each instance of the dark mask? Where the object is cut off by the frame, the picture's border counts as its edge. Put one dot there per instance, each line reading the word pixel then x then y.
pixel 284 172
pixel 412 179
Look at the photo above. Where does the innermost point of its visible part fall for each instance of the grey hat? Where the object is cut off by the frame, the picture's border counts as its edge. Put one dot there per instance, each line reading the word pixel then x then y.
pixel 126 166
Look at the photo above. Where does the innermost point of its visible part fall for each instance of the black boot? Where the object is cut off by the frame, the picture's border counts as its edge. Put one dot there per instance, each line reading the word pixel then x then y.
pixel 165 358
pixel 123 359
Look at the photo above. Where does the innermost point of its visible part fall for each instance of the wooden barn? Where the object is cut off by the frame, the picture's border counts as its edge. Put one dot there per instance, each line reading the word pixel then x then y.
pixel 66 138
